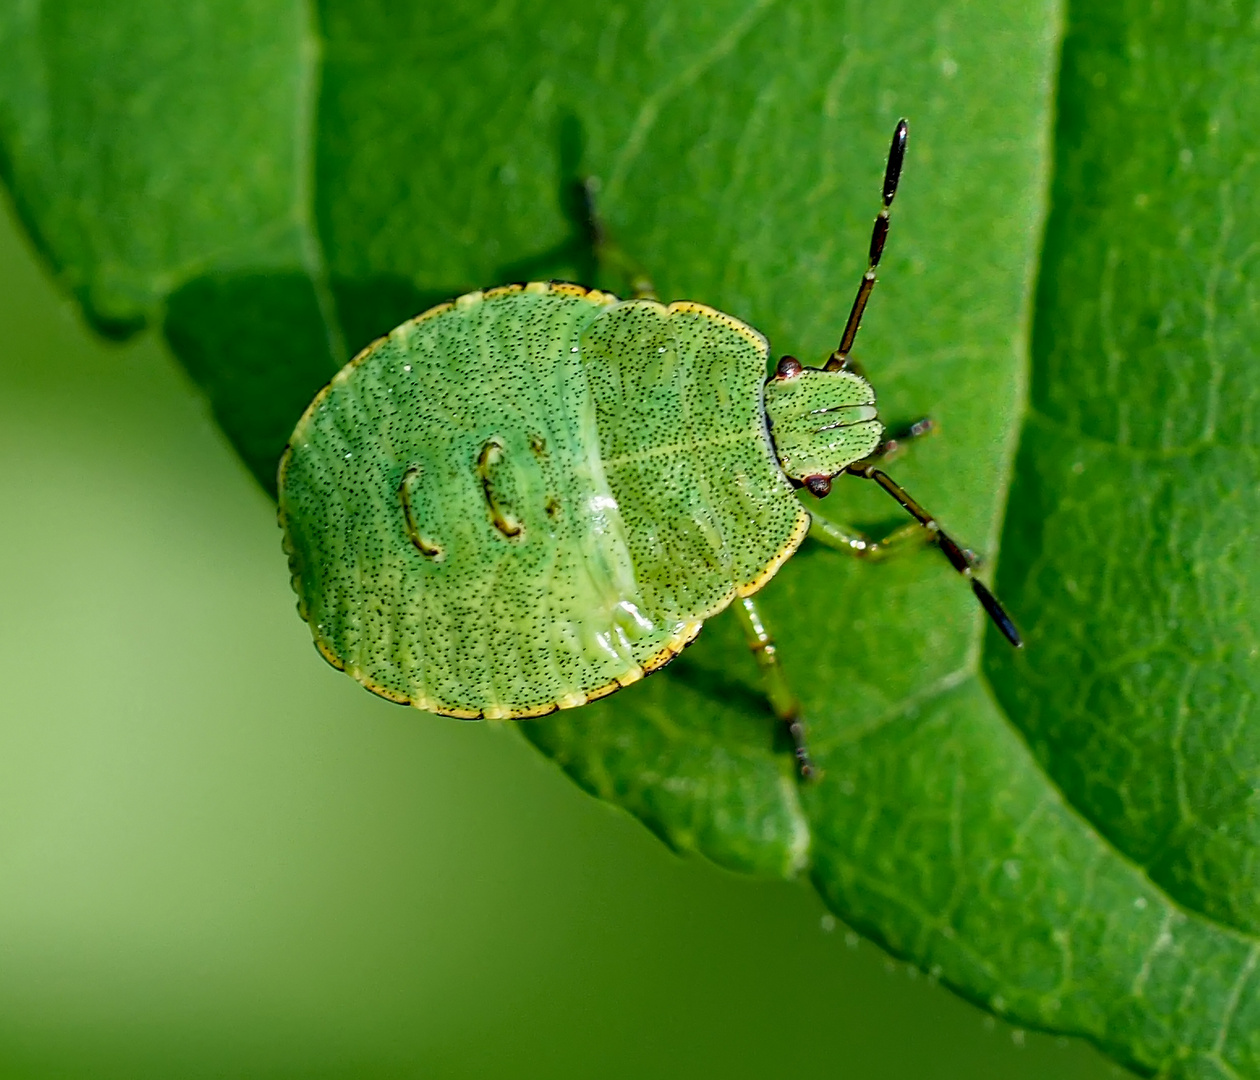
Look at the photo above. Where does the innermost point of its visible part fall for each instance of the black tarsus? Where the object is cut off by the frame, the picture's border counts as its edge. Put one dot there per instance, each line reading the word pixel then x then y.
pixel 959 558
pixel 997 613
pixel 805 767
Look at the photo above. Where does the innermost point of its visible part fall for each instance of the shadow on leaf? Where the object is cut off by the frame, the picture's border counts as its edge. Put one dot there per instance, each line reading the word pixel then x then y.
pixel 257 345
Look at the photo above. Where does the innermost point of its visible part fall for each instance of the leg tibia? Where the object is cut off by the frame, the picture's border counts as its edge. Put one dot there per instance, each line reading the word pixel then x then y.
pixel 779 693
pixel 842 538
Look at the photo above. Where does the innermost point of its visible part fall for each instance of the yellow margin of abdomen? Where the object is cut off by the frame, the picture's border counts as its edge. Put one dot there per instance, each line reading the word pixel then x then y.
pixel 686 633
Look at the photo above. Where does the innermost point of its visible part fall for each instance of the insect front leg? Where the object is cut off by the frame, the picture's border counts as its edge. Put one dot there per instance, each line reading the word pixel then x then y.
pixel 960 558
pixel 900 437
pixel 784 703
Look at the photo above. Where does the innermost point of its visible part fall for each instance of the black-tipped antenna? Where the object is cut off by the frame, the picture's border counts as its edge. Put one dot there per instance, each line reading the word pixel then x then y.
pixel 879 234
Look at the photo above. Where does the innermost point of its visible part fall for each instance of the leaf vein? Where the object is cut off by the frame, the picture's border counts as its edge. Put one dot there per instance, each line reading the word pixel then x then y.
pixel 650 111
pixel 306 116
pixel 1235 995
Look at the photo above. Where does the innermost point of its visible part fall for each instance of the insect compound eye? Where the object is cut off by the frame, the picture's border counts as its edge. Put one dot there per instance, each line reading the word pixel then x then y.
pixel 788 368
pixel 819 486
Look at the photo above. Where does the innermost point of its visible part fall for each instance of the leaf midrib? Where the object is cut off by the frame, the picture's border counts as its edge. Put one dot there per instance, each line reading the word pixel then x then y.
pixel 315 265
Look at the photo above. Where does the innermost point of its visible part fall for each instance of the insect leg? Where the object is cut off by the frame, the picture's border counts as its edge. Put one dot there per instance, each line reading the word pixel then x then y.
pixel 900 437
pixel 780 695
pixel 892 174
pixel 607 250
pixel 962 560
pixel 852 542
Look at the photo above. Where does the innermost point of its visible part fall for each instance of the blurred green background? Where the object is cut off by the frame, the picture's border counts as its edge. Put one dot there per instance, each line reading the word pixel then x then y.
pixel 220 857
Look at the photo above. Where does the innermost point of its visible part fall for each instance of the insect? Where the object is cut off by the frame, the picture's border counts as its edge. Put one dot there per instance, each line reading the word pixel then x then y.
pixel 534 495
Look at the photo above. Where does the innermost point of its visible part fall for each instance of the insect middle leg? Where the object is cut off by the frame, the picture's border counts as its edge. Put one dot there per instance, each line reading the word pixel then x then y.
pixel 850 540
pixel 784 703
pixel 607 250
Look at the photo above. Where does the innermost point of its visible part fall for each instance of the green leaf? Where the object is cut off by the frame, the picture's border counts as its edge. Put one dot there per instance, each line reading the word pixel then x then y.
pixel 1141 450
pixel 1131 539
pixel 1074 848
pixel 157 144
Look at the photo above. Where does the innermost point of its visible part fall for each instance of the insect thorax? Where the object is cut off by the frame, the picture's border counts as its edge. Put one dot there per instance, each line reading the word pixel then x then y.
pixel 821 421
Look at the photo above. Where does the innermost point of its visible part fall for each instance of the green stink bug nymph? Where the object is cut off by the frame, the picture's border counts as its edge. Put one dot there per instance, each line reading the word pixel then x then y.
pixel 531 496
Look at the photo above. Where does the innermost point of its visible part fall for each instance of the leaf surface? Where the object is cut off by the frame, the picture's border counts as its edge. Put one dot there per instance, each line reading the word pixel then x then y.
pixel 1068 837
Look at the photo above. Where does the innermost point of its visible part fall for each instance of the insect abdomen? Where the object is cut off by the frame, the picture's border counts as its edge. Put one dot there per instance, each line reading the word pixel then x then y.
pixel 453 535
